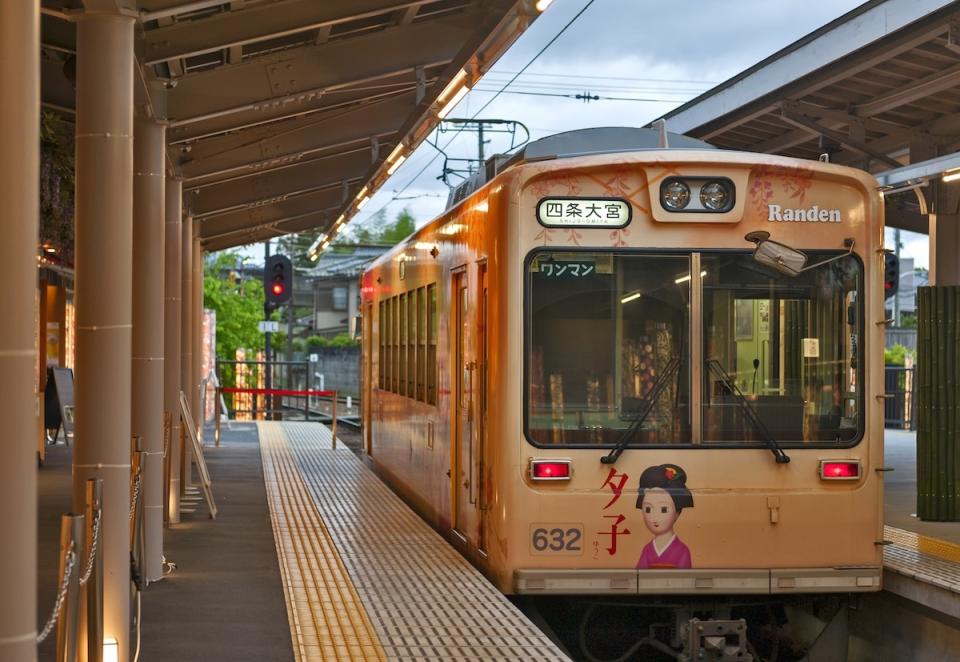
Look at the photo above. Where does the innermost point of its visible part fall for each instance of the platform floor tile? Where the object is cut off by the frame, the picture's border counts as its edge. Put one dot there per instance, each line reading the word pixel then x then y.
pixel 327 619
pixel 919 557
pixel 426 602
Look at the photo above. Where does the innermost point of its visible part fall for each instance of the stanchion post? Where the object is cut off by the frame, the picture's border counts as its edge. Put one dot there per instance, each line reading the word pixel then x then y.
pixel 167 437
pixel 306 397
pixel 136 520
pixel 333 423
pixel 94 585
pixel 217 413
pixel 71 535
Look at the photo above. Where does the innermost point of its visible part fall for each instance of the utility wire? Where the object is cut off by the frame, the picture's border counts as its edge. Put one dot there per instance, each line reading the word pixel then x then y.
pixel 484 106
pixel 547 74
pixel 585 96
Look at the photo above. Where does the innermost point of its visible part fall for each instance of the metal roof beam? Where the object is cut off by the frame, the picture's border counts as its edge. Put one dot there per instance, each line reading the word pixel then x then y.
pixel 805 122
pixel 280 184
pixel 920 171
pixel 254 233
pixel 942 80
pixel 258 23
pixel 282 143
pixel 314 106
pixel 834 119
pixel 808 63
pixel 275 212
pixel 300 73
pixel 943 130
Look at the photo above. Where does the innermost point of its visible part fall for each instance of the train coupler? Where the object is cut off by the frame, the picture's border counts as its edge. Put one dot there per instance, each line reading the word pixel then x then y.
pixel 716 641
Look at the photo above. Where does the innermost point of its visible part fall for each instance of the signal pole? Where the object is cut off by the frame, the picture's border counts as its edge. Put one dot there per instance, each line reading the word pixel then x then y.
pixel 267 353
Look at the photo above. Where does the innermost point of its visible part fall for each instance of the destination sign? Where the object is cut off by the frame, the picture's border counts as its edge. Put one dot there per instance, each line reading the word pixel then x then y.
pixel 583 212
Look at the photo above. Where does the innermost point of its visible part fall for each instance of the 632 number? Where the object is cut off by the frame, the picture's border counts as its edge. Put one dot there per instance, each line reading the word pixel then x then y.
pixel 562 538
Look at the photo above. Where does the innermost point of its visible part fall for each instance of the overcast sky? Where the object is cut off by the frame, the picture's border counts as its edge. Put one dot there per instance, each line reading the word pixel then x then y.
pixel 659 53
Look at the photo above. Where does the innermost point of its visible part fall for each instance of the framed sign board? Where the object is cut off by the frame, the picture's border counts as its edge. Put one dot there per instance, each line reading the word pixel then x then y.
pixel 58 401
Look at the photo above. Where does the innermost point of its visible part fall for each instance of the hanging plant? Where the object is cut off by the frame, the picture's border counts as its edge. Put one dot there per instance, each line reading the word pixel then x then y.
pixel 56 185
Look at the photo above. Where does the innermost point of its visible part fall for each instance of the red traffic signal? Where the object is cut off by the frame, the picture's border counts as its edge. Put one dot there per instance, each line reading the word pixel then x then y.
pixel 891 275
pixel 277 280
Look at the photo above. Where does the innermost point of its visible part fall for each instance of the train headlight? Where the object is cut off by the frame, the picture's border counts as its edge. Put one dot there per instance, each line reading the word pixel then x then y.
pixel 715 196
pixel 674 195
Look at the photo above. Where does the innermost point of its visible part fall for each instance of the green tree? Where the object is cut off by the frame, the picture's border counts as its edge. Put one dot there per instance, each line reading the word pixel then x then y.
pixel 400 229
pixel 378 230
pixel 238 302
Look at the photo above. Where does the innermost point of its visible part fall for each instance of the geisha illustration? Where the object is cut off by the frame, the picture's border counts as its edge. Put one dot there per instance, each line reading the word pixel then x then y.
pixel 662 497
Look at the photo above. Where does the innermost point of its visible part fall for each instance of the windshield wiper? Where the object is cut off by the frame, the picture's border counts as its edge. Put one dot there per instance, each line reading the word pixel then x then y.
pixel 748 412
pixel 658 386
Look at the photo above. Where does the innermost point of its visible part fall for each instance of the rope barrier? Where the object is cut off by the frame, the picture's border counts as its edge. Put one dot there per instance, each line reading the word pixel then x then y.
pixel 136 495
pixel 94 544
pixel 61 594
pixel 276 391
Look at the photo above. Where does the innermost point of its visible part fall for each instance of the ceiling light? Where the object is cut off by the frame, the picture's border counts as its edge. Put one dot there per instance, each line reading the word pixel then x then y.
pixel 636 294
pixel 455 83
pixel 684 279
pixel 951 175
pixel 362 201
pixel 396 164
pixel 396 153
pixel 454 100
pixel 542 5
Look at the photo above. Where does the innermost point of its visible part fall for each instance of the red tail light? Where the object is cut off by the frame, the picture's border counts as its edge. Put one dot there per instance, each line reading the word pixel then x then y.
pixel 840 470
pixel 550 469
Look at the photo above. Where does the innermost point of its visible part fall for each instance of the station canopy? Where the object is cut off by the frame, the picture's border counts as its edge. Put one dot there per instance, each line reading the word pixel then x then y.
pixel 878 88
pixel 284 115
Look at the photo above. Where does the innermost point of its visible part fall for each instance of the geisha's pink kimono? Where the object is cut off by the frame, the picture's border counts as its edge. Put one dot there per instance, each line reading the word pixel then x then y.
pixel 674 555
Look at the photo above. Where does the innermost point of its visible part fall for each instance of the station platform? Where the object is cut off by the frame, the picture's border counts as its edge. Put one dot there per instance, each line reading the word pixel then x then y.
pixel 312 557
pixel 923 569
pixel 365 577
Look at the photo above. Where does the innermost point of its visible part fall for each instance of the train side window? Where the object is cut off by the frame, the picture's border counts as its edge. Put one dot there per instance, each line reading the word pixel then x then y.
pixel 395 345
pixel 432 332
pixel 784 346
pixel 412 344
pixel 608 352
pixel 403 345
pixel 421 344
pixel 391 335
pixel 381 344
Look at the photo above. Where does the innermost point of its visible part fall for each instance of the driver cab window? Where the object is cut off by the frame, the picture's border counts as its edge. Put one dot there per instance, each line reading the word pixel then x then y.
pixel 786 346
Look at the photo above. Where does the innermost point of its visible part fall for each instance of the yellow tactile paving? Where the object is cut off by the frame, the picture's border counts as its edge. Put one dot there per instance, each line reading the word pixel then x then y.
pixel 327 618
pixel 426 601
pixel 929 560
pixel 932 546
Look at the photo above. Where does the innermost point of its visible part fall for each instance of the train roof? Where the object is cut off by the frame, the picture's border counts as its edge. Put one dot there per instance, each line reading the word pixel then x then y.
pixel 581 142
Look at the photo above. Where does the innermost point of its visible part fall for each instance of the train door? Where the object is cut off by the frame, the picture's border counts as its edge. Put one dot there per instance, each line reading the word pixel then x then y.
pixel 366 401
pixel 463 415
pixel 483 462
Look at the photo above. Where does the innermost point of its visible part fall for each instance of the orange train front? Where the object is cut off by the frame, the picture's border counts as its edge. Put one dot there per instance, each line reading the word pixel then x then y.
pixel 613 368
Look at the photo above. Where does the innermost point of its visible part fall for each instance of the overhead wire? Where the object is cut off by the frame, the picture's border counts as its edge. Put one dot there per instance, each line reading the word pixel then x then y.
pixel 486 105
pixel 586 96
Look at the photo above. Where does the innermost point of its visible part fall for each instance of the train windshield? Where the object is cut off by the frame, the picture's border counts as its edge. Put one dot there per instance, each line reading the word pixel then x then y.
pixel 605 331
pixel 610 344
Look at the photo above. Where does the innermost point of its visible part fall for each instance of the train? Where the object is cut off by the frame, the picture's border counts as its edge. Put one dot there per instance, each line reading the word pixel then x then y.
pixel 628 365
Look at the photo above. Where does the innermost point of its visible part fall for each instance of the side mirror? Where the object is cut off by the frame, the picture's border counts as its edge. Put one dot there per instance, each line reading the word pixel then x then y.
pixel 784 259
pixel 775 255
